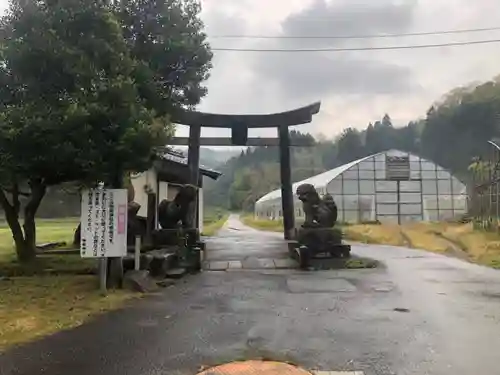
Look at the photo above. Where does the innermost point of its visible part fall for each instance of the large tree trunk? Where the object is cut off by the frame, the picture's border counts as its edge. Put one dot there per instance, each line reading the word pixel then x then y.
pixel 23 253
pixel 37 193
pixel 25 243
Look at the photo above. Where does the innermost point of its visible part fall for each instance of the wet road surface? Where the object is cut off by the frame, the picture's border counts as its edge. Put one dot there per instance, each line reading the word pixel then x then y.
pixel 240 247
pixel 420 314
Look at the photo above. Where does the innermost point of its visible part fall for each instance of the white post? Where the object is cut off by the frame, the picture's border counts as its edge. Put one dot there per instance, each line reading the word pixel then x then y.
pixel 137 260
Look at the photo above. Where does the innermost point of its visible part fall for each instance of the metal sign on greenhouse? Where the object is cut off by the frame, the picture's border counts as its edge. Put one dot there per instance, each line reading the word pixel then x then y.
pixel 398 168
pixel 104 223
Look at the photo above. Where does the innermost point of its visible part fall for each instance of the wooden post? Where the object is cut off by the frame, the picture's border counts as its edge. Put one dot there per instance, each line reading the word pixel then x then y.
pixel 115 273
pixel 137 254
pixel 151 218
pixel 286 184
pixel 198 212
pixel 194 168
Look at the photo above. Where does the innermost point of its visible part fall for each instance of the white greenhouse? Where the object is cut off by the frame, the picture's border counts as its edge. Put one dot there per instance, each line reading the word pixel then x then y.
pixel 390 186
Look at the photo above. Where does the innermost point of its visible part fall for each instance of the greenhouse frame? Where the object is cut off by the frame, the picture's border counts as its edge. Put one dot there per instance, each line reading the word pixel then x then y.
pixel 391 186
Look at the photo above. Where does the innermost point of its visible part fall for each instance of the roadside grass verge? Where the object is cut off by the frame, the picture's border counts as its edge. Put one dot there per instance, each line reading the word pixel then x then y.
pixel 375 234
pixel 211 228
pixel 423 236
pixel 481 246
pixel 360 233
pixel 53 293
pixel 455 239
pixel 32 307
pixel 266 225
pixel 213 219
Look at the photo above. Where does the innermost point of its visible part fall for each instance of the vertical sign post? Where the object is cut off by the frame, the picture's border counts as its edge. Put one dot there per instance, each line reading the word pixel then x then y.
pixel 137 257
pixel 104 227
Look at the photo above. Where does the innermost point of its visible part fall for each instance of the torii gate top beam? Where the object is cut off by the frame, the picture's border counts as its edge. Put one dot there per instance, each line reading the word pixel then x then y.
pixel 289 118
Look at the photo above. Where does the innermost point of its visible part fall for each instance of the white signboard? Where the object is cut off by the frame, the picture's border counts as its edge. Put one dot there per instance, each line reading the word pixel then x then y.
pixel 104 223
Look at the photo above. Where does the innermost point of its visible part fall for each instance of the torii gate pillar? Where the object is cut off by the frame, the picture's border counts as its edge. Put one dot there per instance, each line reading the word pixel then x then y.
pixel 286 184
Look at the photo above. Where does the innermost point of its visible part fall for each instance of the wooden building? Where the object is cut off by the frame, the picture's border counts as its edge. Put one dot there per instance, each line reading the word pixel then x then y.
pixel 164 178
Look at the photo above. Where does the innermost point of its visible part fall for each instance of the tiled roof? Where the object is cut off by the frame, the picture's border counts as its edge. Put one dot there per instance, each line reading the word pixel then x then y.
pixel 179 158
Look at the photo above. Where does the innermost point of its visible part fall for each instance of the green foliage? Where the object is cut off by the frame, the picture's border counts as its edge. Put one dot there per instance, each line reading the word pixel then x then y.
pixel 349 146
pixel 245 178
pixel 166 38
pixel 72 103
pixel 213 214
pixel 86 89
pixel 457 129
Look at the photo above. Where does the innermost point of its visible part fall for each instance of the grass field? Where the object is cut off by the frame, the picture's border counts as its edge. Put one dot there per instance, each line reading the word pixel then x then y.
pixel 32 307
pixel 35 301
pixel 213 219
pixel 48 230
pixel 455 239
pixel 269 225
pixel 212 227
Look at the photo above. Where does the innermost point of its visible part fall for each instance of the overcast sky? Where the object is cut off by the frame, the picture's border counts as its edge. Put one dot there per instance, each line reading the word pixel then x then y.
pixel 354 87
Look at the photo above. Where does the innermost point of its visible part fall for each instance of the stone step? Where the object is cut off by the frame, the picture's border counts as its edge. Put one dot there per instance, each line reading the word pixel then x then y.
pixel 251 263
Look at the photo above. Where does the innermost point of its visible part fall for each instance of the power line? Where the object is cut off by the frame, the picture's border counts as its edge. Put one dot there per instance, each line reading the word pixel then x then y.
pixel 382 48
pixel 361 36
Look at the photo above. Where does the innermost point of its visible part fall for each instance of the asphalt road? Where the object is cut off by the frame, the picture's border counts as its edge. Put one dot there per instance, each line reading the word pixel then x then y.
pixel 420 314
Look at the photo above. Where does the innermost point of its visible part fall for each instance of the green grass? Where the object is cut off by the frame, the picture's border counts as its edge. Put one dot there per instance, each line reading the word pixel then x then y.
pixel 213 219
pixel 49 294
pixel 266 225
pixel 32 307
pixel 211 228
pixel 48 230
pixel 476 245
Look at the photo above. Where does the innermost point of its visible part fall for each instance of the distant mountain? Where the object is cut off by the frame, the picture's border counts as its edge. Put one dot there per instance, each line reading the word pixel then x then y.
pixel 215 158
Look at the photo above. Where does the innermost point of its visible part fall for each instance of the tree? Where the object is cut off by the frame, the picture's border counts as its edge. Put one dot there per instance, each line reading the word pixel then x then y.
pixel 458 129
pixel 386 121
pixel 407 137
pixel 70 110
pixel 380 136
pixel 166 38
pixel 349 146
pixel 371 140
pixel 328 153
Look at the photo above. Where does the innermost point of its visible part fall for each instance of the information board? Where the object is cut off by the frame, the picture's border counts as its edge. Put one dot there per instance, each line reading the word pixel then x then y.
pixel 104 223
pixel 398 168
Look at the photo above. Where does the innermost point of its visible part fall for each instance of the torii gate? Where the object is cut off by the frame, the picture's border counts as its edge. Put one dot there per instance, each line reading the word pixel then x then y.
pixel 239 125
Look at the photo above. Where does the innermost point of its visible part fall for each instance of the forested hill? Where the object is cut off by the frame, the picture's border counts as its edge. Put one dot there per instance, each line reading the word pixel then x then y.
pixel 451 133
